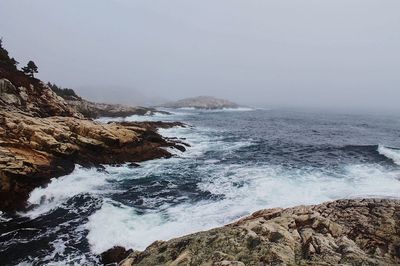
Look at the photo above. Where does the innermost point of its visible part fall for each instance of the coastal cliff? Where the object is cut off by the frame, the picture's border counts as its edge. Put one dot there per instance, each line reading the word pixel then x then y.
pixel 43 136
pixel 33 149
pixel 343 232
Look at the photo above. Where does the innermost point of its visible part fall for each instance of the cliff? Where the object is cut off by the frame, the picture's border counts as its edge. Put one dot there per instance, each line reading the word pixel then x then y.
pixel 33 149
pixel 43 136
pixel 343 232
pixel 201 102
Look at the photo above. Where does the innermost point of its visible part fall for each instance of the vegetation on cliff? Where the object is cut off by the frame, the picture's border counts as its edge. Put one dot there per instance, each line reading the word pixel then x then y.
pixel 66 93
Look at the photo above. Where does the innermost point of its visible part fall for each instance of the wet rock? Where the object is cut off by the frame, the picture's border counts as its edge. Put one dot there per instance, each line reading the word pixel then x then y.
pixel 133 165
pixel 343 232
pixel 114 255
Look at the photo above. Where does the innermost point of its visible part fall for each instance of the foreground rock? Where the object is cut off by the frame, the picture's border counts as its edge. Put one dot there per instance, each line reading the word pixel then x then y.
pixel 33 149
pixel 202 102
pixel 346 232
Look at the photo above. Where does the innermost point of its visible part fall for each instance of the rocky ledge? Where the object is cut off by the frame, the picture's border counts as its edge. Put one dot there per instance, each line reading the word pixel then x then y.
pixel 33 149
pixel 343 232
pixel 95 110
pixel 202 102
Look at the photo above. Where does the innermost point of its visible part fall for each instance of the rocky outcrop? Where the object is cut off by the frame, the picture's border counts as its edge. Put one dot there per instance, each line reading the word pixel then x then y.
pixel 343 232
pixel 95 110
pixel 33 149
pixel 114 255
pixel 42 136
pixel 36 100
pixel 202 102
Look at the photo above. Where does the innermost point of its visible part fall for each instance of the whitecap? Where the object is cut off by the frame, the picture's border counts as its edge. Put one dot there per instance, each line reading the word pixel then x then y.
pixel 242 189
pixel 393 154
pixel 59 190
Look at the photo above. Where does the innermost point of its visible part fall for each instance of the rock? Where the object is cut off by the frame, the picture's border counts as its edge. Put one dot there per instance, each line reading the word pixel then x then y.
pixel 37 100
pixel 133 165
pixel 95 110
pixel 35 149
pixel 343 232
pixel 114 255
pixel 42 136
pixel 201 102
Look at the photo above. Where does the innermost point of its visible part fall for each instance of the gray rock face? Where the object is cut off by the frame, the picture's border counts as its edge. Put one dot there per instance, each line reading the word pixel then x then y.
pixel 202 102
pixel 95 110
pixel 343 232
pixel 38 101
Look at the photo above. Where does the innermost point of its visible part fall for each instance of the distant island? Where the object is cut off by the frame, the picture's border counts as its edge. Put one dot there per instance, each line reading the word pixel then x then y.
pixel 201 102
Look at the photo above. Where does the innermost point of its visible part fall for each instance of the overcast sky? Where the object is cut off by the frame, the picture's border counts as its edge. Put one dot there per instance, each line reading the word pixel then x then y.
pixel 317 53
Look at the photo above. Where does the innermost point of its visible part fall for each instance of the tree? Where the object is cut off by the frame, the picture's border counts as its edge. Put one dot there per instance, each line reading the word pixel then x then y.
pixel 5 59
pixel 30 69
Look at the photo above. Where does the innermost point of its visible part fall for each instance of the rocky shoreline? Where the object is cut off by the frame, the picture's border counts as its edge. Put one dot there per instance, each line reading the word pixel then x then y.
pixel 343 232
pixel 33 150
pixel 43 136
pixel 95 110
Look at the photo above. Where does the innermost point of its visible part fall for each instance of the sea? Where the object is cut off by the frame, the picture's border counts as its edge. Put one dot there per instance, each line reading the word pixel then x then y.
pixel 239 161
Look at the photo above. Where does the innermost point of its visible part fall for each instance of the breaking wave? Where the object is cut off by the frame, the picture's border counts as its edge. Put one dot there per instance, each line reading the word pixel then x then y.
pixel 391 153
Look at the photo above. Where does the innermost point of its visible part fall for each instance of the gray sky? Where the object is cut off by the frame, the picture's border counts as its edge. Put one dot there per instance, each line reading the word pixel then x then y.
pixel 318 53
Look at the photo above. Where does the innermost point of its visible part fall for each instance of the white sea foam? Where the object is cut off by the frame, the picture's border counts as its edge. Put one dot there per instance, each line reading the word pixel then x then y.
pixel 173 116
pixel 2 218
pixel 390 153
pixel 59 190
pixel 244 189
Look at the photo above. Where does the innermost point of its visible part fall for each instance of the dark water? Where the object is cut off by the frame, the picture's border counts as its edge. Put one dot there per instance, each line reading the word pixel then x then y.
pixel 239 162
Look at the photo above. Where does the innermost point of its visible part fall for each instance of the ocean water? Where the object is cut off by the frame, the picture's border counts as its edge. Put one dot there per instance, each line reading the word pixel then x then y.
pixel 239 161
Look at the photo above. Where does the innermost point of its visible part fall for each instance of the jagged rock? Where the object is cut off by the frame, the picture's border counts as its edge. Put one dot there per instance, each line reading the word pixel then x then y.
pixel 201 102
pixel 33 149
pixel 37 100
pixel 343 232
pixel 42 136
pixel 114 255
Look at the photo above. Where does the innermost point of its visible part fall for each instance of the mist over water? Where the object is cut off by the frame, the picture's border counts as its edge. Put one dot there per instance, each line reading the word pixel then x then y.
pixel 325 54
pixel 239 162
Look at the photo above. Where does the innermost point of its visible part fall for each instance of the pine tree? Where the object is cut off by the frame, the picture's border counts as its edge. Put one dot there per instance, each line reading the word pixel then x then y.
pixel 30 69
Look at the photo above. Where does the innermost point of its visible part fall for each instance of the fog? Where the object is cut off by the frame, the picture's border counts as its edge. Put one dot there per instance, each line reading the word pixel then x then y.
pixel 322 54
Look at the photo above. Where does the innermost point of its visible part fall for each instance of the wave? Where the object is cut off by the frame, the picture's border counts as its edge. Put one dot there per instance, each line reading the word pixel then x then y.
pixel 3 218
pixel 391 153
pixel 240 190
pixel 138 118
pixel 59 190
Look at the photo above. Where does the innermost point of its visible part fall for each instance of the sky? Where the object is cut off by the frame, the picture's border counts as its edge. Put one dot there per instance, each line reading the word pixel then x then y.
pixel 311 53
